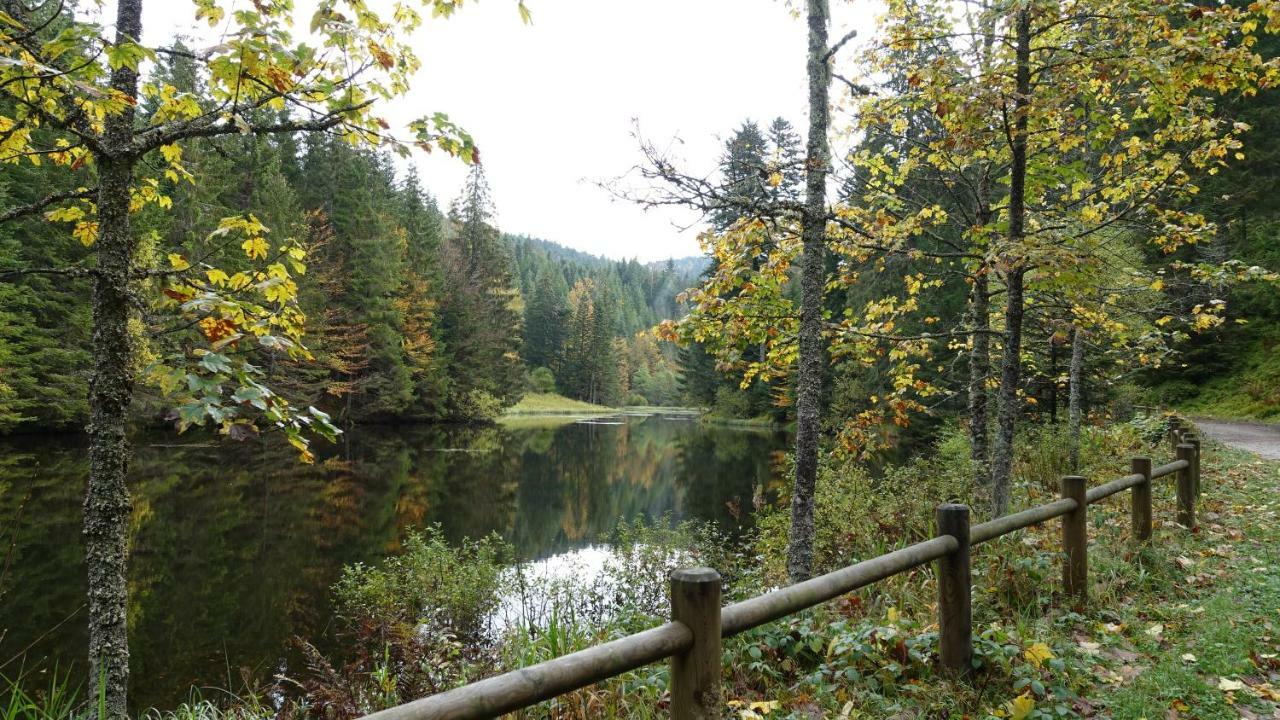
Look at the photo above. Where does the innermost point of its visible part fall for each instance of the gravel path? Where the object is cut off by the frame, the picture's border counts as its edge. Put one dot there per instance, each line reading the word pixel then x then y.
pixel 1260 438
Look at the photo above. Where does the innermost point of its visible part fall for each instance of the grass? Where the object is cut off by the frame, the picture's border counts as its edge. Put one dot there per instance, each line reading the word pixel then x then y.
pixel 1216 595
pixel 553 404
pixel 756 422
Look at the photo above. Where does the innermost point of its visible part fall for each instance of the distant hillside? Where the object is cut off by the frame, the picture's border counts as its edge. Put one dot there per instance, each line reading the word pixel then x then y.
pixel 689 266
pixel 645 293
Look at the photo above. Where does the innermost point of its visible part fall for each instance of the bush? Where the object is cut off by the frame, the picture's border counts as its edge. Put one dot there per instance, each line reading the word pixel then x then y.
pixel 541 380
pixel 1042 453
pixel 478 405
pixel 731 402
pixel 455 588
pixel 858 516
pixel 637 399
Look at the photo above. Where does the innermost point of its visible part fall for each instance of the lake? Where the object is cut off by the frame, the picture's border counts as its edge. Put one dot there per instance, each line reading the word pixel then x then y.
pixel 234 546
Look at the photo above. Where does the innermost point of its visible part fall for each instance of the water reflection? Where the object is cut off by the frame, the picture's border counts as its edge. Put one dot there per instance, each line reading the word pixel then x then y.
pixel 234 547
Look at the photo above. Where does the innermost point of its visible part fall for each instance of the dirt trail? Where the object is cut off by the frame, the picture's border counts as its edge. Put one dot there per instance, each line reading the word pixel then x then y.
pixel 1260 438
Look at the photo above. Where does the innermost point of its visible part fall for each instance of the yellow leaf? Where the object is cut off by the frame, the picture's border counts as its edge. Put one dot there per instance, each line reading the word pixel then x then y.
pixel 255 247
pixel 216 276
pixel 1037 654
pixel 1158 284
pixel 85 232
pixel 177 262
pixel 775 179
pixel 1021 707
pixel 172 153
pixel 1226 685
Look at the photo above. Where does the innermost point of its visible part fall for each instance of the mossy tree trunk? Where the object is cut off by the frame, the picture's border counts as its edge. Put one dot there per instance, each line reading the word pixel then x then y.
pixel 812 279
pixel 1008 401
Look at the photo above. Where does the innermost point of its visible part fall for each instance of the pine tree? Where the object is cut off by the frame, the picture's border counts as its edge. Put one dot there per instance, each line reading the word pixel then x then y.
pixel 544 320
pixel 744 173
pixel 481 314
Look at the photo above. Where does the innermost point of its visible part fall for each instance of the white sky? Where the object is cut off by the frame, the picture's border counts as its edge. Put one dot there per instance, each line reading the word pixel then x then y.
pixel 552 105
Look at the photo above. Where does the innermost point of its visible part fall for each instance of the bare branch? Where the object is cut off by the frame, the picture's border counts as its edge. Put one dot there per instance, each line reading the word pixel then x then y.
pixel 37 206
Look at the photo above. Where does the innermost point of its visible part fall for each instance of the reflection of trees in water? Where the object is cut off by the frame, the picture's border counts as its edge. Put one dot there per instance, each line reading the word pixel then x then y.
pixel 723 469
pixel 234 547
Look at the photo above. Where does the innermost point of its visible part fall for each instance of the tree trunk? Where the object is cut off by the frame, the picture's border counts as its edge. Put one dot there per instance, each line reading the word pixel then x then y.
pixel 1053 378
pixel 1009 404
pixel 979 371
pixel 813 235
pixel 1076 397
pixel 106 504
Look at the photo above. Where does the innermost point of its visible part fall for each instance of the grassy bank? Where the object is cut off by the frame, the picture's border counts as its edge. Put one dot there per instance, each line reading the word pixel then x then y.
pixel 553 404
pixel 760 422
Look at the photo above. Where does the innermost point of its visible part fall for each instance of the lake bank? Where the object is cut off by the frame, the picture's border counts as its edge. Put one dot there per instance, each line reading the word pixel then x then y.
pixel 235 546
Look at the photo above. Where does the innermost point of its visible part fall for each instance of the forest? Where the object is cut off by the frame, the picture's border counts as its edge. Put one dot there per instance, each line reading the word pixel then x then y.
pixel 413 313
pixel 1012 242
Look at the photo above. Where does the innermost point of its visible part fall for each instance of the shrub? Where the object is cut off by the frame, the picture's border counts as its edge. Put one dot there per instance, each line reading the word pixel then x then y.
pixel 541 380
pixel 858 515
pixel 455 588
pixel 731 402
pixel 478 405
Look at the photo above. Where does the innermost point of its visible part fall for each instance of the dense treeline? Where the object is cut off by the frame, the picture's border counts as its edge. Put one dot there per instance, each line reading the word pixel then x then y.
pixel 587 323
pixel 1234 368
pixel 412 311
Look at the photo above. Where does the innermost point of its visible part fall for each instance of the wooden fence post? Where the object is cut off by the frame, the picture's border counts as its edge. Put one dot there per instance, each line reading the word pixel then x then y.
pixel 1194 441
pixel 955 614
pixel 1186 487
pixel 1075 542
pixel 695 675
pixel 1141 499
pixel 1175 432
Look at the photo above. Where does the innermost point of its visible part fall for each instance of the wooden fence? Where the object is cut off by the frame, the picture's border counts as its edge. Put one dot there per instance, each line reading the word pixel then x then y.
pixel 691 640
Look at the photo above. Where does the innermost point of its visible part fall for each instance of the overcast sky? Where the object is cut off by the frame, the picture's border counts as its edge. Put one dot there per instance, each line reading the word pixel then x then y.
pixel 553 105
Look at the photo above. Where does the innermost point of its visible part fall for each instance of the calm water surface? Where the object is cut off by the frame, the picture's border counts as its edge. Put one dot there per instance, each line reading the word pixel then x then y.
pixel 234 547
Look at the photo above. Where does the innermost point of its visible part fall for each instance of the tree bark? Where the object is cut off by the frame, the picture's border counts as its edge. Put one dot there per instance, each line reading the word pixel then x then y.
pixel 1075 400
pixel 979 371
pixel 107 505
pixel 1008 402
pixel 980 307
pixel 813 236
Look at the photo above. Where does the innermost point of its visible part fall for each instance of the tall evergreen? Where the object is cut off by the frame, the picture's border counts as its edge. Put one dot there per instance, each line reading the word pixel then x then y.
pixel 545 314
pixel 481 313
pixel 744 172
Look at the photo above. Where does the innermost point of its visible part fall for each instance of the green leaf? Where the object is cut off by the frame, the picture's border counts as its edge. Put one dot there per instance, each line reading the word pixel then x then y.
pixel 127 54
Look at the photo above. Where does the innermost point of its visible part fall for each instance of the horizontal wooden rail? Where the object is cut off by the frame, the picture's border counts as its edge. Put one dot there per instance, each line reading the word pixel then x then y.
pixel 1105 491
pixel 791 599
pixel 531 685
pixel 993 529
pixel 692 639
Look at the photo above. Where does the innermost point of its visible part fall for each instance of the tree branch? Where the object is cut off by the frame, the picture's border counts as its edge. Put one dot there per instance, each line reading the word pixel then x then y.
pixel 37 206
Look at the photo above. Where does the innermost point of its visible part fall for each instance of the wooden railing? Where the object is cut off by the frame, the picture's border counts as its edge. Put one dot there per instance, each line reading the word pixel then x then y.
pixel 692 639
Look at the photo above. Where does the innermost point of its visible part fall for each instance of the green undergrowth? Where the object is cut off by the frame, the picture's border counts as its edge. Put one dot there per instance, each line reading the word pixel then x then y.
pixel 1181 627
pixel 1250 391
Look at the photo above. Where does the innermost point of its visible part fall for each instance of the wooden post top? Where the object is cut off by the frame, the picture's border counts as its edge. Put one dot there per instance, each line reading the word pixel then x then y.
pixel 695 575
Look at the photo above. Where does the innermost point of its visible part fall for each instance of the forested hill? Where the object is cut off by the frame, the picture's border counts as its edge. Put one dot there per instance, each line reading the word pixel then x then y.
pixel 645 293
pixel 586 317
pixel 411 311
